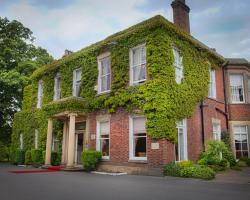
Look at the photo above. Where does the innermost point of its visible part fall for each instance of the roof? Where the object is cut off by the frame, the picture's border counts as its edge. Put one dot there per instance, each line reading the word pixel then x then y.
pixel 237 61
pixel 154 22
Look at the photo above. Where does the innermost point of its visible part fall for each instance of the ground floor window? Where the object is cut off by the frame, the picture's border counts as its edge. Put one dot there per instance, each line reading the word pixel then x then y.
pixel 103 142
pixel 216 131
pixel 241 141
pixel 181 145
pixel 138 138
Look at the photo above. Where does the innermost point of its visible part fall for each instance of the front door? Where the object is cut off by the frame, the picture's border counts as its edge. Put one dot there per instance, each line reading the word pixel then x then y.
pixel 78 147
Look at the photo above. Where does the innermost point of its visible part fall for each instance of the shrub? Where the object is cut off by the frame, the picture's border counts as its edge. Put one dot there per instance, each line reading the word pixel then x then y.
pixel 185 163
pixel 20 157
pixel 217 155
pixel 246 160
pixel 197 171
pixel 55 158
pixel 37 158
pixel 28 159
pixel 90 159
pixel 4 152
pixel 241 163
pixel 172 169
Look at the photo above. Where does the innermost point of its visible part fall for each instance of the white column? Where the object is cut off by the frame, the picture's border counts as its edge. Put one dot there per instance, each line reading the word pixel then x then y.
pixel 49 142
pixel 71 141
pixel 86 135
pixel 63 160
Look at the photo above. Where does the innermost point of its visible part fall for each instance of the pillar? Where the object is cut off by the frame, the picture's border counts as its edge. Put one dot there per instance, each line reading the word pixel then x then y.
pixel 63 160
pixel 86 135
pixel 71 141
pixel 49 142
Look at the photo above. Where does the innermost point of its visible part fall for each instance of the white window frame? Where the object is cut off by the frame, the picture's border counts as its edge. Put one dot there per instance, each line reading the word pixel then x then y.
pixel 21 141
pixel 74 81
pixel 131 73
pixel 36 138
pixel 212 84
pixel 240 134
pixel 182 126
pixel 243 89
pixel 131 141
pixel 178 65
pixel 40 94
pixel 100 76
pixel 98 137
pixel 216 127
pixel 57 87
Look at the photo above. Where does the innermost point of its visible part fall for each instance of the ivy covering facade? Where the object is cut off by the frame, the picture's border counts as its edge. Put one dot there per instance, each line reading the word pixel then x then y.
pixel 159 98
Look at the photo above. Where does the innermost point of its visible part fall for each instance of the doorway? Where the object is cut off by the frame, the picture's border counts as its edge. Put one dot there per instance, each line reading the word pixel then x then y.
pixel 79 139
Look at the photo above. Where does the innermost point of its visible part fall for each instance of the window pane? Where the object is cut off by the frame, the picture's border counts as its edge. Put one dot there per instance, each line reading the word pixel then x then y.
pixel 238 146
pixel 140 146
pixel 244 146
pixel 104 128
pixel 77 89
pixel 245 154
pixel 105 66
pixel 136 57
pixel 139 125
pixel 104 147
pixel 78 75
pixel 143 55
pixel 181 143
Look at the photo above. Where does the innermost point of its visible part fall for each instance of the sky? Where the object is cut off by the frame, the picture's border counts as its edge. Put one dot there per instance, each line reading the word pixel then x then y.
pixel 74 24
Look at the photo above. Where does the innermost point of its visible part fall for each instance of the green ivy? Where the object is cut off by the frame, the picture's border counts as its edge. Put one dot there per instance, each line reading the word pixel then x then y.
pixel 160 98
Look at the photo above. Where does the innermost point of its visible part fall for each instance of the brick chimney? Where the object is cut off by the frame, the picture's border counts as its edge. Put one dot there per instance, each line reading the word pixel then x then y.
pixel 181 14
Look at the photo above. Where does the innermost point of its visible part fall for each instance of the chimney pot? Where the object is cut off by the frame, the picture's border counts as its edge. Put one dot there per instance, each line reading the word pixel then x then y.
pixel 181 15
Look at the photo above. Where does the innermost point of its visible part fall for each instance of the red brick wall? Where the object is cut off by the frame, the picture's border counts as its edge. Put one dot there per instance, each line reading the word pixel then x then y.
pixel 239 112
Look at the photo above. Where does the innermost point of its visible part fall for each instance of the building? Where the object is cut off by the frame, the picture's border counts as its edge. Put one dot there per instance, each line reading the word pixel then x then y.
pixel 144 97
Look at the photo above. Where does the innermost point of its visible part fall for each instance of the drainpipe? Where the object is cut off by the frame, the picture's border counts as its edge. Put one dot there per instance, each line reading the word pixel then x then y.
pixel 224 68
pixel 202 124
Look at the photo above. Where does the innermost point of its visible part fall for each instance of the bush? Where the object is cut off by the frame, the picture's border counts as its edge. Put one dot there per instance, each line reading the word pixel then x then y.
pixel 189 170
pixel 55 158
pixel 197 171
pixel 4 152
pixel 37 158
pixel 28 159
pixel 90 159
pixel 246 160
pixel 20 157
pixel 241 163
pixel 217 155
pixel 172 169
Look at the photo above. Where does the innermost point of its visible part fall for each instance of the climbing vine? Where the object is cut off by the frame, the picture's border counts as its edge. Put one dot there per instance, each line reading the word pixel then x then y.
pixel 160 98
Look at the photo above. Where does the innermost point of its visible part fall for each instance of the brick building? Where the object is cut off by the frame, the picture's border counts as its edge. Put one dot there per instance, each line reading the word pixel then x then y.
pixel 121 136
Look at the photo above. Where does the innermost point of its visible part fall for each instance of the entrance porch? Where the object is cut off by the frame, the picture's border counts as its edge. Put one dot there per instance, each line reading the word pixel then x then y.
pixel 74 141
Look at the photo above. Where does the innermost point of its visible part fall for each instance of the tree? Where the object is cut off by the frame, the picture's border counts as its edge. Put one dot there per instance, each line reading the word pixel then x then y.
pixel 18 59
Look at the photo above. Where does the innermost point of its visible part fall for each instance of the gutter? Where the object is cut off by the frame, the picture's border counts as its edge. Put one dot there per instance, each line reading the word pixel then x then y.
pixel 224 68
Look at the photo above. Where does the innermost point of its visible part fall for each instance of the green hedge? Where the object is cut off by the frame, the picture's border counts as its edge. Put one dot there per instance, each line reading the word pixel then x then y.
pixel 37 158
pixel 189 170
pixel 90 159
pixel 28 158
pixel 55 158
pixel 19 157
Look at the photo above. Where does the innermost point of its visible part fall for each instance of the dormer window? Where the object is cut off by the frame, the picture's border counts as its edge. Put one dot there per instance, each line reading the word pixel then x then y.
pixel 76 82
pixel 39 94
pixel 104 77
pixel 57 87
pixel 178 65
pixel 138 65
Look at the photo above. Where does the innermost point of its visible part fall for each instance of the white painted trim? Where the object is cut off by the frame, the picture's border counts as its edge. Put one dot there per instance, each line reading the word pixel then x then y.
pixel 56 83
pixel 131 140
pixel 131 82
pixel 39 93
pixel 216 122
pixel 74 82
pixel 247 138
pixel 36 138
pixel 184 127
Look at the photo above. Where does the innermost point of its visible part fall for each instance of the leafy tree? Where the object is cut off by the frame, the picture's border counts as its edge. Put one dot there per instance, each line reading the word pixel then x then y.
pixel 18 59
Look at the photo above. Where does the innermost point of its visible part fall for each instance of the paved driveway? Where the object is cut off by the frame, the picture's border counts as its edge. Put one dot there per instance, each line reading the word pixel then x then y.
pixel 80 185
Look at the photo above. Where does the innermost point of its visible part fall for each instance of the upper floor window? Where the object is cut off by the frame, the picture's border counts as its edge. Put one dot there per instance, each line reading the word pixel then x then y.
pixel 39 94
pixel 237 88
pixel 137 138
pixel 248 85
pixel 178 65
pixel 57 87
pixel 212 84
pixel 138 65
pixel 181 145
pixel 77 74
pixel 104 78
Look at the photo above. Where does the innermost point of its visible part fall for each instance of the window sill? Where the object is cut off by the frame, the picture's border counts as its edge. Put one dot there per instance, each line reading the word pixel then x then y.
pixel 102 93
pixel 137 161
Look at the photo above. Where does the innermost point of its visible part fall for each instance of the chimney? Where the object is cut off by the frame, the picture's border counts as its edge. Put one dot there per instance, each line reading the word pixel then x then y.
pixel 181 15
pixel 67 52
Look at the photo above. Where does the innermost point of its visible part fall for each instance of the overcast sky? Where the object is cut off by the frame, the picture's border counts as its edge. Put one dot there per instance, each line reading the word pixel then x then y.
pixel 74 24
